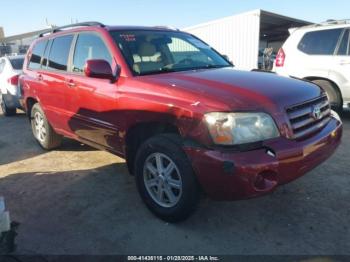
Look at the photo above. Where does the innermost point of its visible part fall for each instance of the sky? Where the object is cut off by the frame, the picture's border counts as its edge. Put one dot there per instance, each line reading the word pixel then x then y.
pixel 25 16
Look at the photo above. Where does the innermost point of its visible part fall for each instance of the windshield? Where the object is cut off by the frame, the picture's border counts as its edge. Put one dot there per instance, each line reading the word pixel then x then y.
pixel 154 52
pixel 17 63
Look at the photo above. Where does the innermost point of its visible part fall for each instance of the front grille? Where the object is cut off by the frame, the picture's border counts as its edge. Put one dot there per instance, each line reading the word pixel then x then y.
pixel 306 119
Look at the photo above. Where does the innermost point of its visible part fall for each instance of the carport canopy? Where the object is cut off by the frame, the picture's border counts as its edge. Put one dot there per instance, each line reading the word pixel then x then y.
pixel 274 27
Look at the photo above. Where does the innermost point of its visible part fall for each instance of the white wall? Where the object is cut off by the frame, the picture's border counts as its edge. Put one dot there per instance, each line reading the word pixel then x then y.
pixel 236 36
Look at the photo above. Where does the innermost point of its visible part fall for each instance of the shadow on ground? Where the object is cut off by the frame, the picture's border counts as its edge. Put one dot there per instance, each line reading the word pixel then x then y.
pixel 18 143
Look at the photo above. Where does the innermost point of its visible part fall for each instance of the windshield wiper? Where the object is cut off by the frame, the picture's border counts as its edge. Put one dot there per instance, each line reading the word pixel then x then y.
pixel 212 66
pixel 169 70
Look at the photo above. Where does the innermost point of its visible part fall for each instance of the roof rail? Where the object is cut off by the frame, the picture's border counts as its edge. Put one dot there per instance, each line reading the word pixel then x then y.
pixel 335 22
pixel 166 27
pixel 330 22
pixel 60 28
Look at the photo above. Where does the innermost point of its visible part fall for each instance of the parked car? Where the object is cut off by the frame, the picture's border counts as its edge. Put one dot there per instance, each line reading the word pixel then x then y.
pixel 10 69
pixel 176 110
pixel 319 53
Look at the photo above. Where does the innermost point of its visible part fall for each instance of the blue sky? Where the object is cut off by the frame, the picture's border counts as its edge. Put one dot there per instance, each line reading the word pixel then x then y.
pixel 27 16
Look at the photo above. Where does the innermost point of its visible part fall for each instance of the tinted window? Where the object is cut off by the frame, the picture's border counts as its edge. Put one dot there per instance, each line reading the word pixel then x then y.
pixel 320 42
pixel 17 63
pixel 89 46
pixel 59 53
pixel 344 44
pixel 37 53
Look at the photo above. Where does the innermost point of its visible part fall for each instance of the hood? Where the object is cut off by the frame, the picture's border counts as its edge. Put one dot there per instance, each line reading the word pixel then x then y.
pixel 239 90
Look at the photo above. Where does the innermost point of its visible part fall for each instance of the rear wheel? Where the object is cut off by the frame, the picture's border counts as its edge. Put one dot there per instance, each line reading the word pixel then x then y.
pixel 165 179
pixel 42 130
pixel 6 110
pixel 333 94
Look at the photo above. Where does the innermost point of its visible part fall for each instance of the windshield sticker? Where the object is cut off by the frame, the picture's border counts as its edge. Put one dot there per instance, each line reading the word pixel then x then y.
pixel 197 43
pixel 128 37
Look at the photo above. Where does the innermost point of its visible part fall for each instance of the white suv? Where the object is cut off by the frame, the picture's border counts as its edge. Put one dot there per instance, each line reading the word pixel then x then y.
pixel 319 53
pixel 10 69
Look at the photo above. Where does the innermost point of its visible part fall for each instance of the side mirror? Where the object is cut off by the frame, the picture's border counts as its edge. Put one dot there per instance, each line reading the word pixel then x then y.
pixel 99 68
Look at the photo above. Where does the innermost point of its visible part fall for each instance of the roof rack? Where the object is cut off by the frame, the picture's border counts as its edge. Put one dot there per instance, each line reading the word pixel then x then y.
pixel 329 22
pixel 167 27
pixel 60 28
pixel 335 22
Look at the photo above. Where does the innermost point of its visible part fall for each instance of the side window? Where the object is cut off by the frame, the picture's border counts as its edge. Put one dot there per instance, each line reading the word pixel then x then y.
pixel 344 44
pixel 89 46
pixel 37 53
pixel 320 42
pixel 59 53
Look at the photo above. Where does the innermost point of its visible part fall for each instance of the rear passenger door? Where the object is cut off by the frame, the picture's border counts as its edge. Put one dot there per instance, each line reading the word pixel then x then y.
pixel 55 88
pixel 317 48
pixel 94 116
pixel 340 68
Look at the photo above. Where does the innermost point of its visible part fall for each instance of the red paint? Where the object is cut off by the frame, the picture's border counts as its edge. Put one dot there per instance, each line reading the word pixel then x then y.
pixel 100 112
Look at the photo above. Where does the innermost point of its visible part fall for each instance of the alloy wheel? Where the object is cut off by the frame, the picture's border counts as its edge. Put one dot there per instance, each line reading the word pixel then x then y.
pixel 162 180
pixel 39 125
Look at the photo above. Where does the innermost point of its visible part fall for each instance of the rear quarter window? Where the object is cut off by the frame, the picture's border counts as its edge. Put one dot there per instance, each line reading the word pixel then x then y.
pixel 37 53
pixel 320 42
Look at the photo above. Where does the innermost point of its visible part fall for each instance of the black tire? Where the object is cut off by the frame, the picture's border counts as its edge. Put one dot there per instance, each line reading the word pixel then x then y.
pixel 169 145
pixel 5 110
pixel 51 140
pixel 333 94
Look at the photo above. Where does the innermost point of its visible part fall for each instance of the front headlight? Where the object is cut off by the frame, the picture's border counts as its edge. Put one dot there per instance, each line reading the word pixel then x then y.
pixel 240 128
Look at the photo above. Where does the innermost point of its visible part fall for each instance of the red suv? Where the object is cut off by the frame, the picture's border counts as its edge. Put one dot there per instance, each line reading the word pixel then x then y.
pixel 183 118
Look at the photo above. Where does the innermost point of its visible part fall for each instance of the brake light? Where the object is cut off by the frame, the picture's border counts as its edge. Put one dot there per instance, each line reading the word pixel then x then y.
pixel 13 80
pixel 280 57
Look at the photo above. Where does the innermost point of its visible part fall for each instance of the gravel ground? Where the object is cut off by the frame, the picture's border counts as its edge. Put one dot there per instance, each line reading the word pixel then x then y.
pixel 78 200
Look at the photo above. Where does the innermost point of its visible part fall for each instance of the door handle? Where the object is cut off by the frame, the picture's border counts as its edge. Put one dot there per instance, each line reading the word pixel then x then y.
pixel 70 83
pixel 40 77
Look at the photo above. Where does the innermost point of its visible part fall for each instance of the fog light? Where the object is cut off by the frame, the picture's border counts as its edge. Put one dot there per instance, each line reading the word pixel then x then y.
pixel 334 134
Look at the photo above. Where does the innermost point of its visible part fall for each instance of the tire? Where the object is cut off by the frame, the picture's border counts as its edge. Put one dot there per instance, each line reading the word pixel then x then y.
pixel 42 130
pixel 6 110
pixel 181 180
pixel 333 94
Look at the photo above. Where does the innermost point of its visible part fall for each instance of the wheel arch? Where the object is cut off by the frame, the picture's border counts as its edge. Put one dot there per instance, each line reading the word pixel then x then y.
pixel 30 102
pixel 139 133
pixel 313 78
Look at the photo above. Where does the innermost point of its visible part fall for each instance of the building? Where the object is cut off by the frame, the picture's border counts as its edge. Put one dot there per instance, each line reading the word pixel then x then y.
pixel 18 44
pixel 243 37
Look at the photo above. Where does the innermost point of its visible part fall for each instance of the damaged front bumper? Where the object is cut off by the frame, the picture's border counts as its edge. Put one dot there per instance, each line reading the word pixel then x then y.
pixel 226 175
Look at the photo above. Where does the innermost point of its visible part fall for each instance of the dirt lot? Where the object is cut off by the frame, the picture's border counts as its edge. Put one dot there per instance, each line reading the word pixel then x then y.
pixel 78 200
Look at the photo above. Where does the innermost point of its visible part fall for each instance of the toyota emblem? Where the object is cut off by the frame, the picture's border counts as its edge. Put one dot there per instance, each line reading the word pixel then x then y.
pixel 316 112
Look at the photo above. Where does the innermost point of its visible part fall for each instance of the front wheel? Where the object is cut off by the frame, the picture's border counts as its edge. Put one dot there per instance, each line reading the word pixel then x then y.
pixel 42 130
pixel 333 94
pixel 165 179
